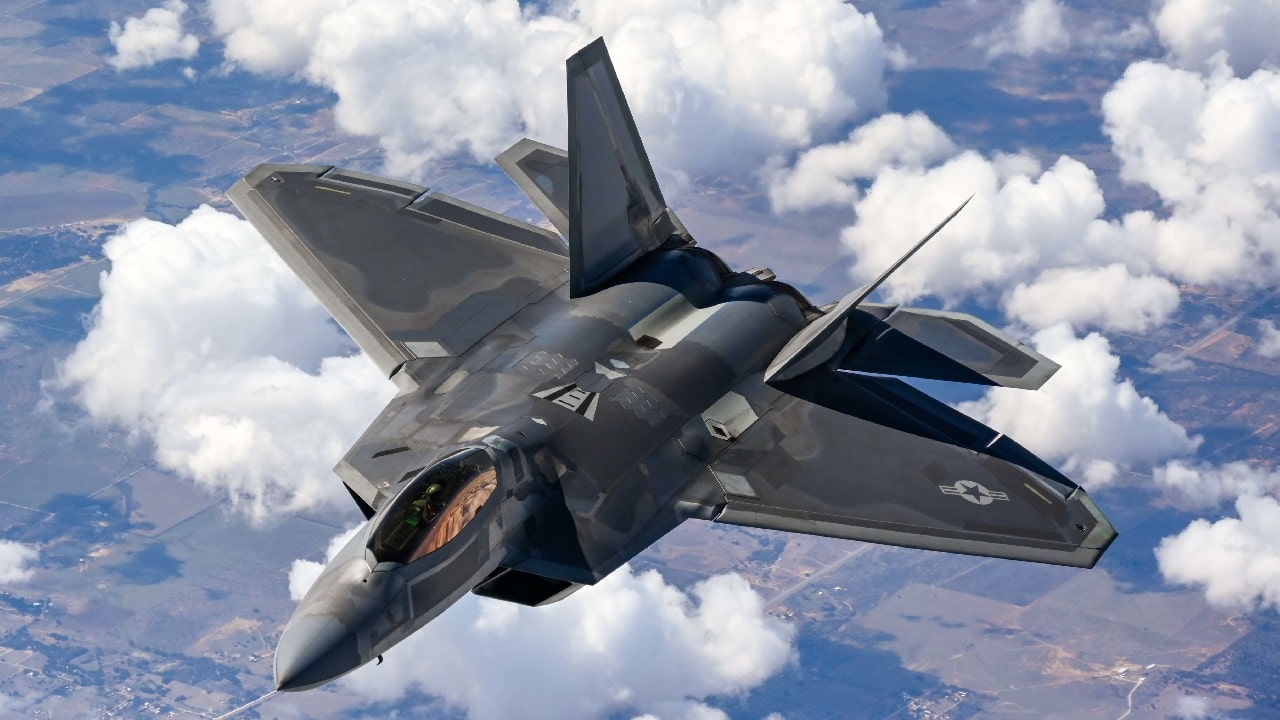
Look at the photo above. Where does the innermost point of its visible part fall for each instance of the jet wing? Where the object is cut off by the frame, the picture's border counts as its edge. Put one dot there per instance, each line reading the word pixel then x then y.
pixel 871 458
pixel 407 273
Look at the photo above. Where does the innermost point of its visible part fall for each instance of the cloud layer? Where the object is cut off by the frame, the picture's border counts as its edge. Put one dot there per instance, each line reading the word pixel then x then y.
pixel 1205 142
pixel 1022 217
pixel 1199 485
pixel 1042 240
pixel 1236 560
pixel 1086 417
pixel 829 174
pixel 153 37
pixel 1033 240
pixel 633 642
pixel 15 562
pixel 1109 296
pixel 715 86
pixel 1269 340
pixel 207 345
pixel 1039 27
pixel 1239 31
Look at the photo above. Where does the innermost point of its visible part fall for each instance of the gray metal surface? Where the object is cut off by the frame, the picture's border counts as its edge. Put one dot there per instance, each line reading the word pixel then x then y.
pixel 542 172
pixel 942 345
pixel 614 393
pixel 407 273
pixel 616 210
pixel 873 459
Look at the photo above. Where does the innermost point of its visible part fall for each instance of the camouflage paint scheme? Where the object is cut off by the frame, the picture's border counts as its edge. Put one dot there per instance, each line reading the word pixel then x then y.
pixel 621 384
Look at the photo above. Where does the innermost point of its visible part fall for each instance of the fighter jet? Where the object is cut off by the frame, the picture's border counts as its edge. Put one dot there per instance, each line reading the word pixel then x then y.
pixel 563 405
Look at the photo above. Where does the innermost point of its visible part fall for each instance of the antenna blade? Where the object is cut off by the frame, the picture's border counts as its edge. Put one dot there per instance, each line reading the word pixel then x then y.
pixel 866 291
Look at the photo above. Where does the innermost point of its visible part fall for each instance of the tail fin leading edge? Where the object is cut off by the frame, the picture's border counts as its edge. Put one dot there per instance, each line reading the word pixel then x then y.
pixel 542 173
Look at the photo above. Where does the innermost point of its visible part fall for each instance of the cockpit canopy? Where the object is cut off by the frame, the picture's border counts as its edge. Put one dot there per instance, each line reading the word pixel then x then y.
pixel 434 507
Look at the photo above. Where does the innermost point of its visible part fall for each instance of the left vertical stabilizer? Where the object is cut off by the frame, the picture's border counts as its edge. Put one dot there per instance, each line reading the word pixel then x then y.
pixel 616 210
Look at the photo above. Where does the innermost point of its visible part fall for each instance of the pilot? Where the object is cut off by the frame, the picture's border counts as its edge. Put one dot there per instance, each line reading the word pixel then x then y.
pixel 423 510
pixel 426 507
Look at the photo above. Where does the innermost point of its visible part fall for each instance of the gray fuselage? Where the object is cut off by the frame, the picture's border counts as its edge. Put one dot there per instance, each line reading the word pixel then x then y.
pixel 597 402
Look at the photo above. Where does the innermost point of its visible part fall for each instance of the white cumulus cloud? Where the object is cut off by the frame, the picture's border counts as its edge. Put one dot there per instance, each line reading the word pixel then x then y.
pixel 1268 342
pixel 1207 144
pixel 270 36
pixel 15 562
pixel 303 573
pixel 632 642
pixel 1195 707
pixel 1040 239
pixel 1110 297
pixel 154 37
pixel 1235 560
pixel 1022 218
pixel 1034 239
pixel 1086 417
pixel 1039 27
pixel 715 86
pixel 1203 485
pixel 1242 31
pixel 827 174
pixel 206 344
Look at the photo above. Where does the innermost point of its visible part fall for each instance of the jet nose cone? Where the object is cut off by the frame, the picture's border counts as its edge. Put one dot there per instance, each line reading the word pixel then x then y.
pixel 313 650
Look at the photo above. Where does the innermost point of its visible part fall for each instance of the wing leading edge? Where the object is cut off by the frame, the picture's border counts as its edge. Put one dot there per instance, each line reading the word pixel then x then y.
pixel 870 458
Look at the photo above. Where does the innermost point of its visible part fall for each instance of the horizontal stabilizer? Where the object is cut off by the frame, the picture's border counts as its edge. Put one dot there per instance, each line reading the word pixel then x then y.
pixel 912 342
pixel 890 340
pixel 940 345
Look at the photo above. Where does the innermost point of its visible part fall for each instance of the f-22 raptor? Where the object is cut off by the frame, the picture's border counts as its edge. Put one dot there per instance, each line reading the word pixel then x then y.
pixel 563 406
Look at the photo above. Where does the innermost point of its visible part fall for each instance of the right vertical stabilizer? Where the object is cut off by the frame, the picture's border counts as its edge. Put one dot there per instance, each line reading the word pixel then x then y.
pixel 542 173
